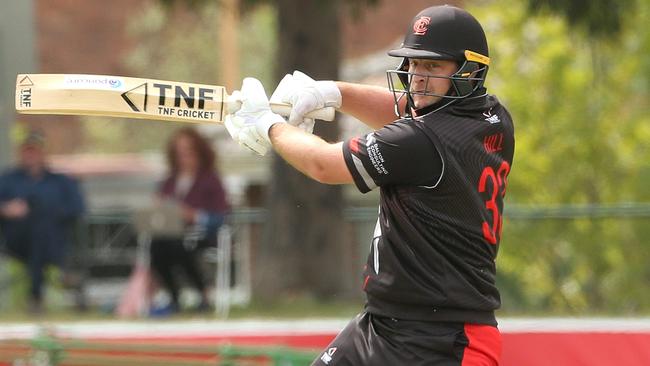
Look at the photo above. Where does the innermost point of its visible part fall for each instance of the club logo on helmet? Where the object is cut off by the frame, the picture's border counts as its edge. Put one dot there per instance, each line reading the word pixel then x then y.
pixel 421 25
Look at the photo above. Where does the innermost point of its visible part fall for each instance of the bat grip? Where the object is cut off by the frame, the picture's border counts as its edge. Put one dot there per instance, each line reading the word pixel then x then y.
pixel 323 114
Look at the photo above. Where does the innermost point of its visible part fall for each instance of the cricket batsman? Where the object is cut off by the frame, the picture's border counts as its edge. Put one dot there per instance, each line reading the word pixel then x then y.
pixel 441 168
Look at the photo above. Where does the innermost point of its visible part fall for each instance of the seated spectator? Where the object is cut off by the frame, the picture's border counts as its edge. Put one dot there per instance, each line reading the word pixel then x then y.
pixel 195 185
pixel 37 210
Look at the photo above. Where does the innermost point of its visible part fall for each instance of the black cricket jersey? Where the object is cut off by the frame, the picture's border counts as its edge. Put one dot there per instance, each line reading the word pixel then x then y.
pixel 442 178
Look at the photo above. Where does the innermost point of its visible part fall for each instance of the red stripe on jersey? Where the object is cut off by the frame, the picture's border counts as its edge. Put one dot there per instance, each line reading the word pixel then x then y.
pixel 365 282
pixel 354 145
pixel 484 348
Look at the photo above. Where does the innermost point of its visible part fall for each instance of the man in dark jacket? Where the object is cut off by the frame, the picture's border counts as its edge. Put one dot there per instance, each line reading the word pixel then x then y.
pixel 37 208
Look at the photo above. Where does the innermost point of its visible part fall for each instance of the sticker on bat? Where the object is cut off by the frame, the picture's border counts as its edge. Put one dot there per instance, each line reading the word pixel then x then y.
pixel 92 81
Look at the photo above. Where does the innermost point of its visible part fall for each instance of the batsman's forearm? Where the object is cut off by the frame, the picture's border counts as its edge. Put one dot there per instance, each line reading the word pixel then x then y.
pixel 372 105
pixel 310 154
pixel 296 147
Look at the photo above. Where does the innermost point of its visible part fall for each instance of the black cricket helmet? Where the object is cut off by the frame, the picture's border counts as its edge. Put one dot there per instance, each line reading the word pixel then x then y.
pixel 442 33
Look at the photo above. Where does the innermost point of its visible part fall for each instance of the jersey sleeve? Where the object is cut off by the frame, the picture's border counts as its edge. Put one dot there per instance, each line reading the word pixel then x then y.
pixel 399 153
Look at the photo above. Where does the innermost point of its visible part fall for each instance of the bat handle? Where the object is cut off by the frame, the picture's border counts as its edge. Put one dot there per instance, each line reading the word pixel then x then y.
pixel 283 109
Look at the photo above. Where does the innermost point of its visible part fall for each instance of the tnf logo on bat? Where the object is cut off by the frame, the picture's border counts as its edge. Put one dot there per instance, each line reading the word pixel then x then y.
pixel 421 25
pixel 173 100
pixel 26 97
pixel 26 92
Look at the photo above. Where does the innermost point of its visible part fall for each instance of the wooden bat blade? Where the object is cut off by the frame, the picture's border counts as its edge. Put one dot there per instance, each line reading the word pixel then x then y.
pixel 116 96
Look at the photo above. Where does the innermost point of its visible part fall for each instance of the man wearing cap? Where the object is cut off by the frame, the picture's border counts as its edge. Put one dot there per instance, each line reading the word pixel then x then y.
pixel 442 170
pixel 37 208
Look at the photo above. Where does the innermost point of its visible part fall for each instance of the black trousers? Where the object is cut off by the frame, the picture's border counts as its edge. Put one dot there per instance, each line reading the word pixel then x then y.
pixel 371 340
pixel 168 255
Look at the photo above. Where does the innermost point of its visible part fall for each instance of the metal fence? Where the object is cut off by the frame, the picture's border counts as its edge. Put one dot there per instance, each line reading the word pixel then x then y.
pixel 108 242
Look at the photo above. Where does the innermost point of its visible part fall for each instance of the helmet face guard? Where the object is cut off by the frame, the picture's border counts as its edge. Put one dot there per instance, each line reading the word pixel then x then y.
pixel 469 78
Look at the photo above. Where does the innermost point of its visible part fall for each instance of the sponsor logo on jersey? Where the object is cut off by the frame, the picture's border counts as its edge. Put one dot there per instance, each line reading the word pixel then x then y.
pixel 370 139
pixel 492 118
pixel 374 154
pixel 327 356
pixel 421 25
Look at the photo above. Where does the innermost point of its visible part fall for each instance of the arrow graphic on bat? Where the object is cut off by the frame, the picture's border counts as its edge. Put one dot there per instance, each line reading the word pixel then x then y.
pixel 130 102
pixel 26 81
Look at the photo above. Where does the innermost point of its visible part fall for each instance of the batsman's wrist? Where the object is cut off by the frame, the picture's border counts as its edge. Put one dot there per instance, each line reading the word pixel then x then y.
pixel 265 123
pixel 274 131
pixel 330 92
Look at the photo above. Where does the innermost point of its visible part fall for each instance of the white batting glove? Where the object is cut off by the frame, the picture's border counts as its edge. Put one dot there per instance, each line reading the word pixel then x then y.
pixel 250 125
pixel 287 86
pixel 306 95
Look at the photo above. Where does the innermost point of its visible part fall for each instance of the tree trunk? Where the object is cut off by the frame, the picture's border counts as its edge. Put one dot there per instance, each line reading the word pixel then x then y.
pixel 303 245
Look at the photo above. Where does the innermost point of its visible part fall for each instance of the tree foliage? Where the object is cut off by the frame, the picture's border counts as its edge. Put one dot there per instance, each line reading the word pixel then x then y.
pixel 599 18
pixel 582 122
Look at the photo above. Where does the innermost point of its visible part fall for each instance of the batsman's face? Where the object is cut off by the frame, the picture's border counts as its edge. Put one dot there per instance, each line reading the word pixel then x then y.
pixel 431 77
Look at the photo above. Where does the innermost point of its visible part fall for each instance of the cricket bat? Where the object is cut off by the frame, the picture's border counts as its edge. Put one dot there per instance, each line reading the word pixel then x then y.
pixel 117 96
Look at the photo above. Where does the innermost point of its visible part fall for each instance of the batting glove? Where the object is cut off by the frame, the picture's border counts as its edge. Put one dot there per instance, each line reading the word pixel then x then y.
pixel 287 86
pixel 250 125
pixel 306 95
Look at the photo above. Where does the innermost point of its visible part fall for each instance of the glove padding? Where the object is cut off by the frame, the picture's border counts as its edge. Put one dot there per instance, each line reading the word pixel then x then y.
pixel 250 125
pixel 306 95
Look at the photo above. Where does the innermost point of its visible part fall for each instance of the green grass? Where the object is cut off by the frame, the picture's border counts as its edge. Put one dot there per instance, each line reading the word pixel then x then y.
pixel 299 308
pixel 285 309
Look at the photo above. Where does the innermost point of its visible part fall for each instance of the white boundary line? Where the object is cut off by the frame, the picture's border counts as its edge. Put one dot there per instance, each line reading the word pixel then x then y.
pixel 174 329
pixel 574 325
pixel 237 328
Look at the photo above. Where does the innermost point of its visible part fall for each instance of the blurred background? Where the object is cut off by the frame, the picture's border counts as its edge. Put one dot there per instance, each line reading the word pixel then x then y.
pixel 574 74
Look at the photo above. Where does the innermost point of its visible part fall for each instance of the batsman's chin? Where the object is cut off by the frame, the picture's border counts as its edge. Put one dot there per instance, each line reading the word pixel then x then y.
pixel 423 101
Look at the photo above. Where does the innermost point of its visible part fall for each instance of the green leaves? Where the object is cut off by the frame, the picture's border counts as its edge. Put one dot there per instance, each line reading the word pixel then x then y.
pixel 580 106
pixel 598 18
